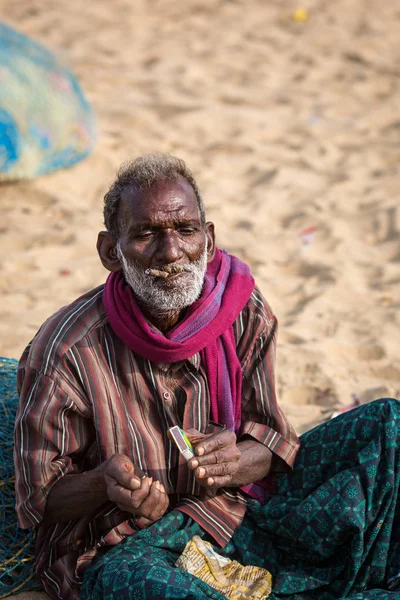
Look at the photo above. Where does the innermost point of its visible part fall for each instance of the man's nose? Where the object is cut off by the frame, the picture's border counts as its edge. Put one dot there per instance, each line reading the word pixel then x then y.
pixel 169 250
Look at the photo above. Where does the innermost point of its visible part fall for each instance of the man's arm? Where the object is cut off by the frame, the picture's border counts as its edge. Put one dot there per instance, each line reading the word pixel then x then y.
pixel 262 418
pixel 267 441
pixel 48 488
pixel 76 496
pixel 256 462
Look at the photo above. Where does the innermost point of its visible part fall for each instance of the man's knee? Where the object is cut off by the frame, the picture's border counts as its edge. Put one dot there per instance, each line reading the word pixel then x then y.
pixel 384 411
pixel 388 405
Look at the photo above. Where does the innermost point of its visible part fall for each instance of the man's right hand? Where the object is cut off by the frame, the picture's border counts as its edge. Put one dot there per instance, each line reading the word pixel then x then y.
pixel 142 497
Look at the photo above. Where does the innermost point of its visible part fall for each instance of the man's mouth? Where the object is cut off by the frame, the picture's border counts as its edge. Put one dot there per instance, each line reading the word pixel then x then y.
pixel 168 271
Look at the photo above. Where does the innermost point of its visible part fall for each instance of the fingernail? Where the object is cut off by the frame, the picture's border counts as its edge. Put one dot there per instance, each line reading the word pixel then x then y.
pixel 135 483
pixel 200 451
pixel 194 464
pixel 201 472
pixel 210 481
pixel 157 484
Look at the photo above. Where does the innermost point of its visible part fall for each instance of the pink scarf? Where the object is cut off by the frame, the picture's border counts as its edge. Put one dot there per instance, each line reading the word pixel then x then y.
pixel 205 328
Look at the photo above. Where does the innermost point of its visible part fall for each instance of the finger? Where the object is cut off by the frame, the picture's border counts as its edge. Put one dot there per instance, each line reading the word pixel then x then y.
pixel 189 432
pixel 122 469
pixel 214 483
pixel 116 492
pixel 193 463
pixel 192 431
pixel 226 455
pixel 122 498
pixel 217 470
pixel 195 436
pixel 162 488
pixel 156 503
pixel 151 502
pixel 125 497
pixel 215 441
pixel 140 495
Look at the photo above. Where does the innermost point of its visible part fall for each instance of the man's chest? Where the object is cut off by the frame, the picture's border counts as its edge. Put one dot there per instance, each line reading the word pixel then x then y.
pixel 135 402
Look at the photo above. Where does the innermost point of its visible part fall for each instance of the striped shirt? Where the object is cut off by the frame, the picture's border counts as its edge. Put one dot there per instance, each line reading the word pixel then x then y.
pixel 85 396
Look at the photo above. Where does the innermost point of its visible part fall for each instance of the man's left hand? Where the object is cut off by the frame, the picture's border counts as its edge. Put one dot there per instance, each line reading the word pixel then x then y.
pixel 217 457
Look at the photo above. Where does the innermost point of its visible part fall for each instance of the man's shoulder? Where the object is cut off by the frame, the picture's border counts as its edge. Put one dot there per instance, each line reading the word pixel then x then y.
pixel 257 308
pixel 65 329
pixel 256 323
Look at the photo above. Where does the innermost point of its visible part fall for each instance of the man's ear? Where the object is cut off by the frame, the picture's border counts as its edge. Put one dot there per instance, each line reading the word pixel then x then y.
pixel 107 249
pixel 210 234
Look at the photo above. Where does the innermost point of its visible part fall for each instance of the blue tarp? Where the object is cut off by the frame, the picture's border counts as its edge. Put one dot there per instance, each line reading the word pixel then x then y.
pixel 46 122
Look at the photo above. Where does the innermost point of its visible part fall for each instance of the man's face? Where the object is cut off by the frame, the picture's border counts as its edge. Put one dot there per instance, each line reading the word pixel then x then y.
pixel 160 227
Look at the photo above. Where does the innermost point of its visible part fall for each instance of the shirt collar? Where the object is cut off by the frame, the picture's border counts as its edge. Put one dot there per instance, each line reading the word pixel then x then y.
pixel 193 362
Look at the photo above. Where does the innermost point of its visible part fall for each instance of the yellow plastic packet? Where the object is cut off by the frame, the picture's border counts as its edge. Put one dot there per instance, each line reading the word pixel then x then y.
pixel 227 576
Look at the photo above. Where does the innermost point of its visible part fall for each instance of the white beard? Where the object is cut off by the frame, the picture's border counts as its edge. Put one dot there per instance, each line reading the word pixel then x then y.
pixel 164 295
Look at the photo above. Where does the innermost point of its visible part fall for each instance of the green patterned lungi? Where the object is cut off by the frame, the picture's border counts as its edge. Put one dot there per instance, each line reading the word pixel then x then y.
pixel 330 531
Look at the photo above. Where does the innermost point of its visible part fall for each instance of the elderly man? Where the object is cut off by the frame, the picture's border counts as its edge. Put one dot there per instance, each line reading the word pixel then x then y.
pixel 178 335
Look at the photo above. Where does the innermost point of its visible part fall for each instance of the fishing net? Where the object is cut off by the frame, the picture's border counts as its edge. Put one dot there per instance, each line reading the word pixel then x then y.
pixel 16 545
pixel 46 122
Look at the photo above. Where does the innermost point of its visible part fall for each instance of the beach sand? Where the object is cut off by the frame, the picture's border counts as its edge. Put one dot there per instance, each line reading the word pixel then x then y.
pixel 292 129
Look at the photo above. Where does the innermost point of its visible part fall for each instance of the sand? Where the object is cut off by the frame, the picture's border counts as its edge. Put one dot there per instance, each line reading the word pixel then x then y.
pixel 293 131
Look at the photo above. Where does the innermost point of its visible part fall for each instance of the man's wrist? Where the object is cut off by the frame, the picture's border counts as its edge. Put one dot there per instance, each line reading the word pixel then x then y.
pixel 255 462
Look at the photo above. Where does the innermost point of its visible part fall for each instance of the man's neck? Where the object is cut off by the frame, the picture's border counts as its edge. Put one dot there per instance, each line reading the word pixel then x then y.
pixel 164 321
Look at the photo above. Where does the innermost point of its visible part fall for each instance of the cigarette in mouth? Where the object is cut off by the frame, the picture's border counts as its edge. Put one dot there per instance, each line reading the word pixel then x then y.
pixel 172 269
pixel 157 273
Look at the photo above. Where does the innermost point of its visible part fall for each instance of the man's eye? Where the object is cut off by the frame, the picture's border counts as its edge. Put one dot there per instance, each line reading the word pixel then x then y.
pixel 186 230
pixel 144 235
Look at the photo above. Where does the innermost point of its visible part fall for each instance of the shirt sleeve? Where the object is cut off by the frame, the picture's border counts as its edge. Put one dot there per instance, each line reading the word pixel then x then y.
pixel 262 418
pixel 51 428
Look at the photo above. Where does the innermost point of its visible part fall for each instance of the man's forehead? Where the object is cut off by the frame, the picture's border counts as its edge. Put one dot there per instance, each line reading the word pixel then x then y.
pixel 168 197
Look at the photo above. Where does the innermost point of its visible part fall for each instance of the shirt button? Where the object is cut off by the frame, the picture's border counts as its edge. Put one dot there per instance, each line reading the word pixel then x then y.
pixel 167 395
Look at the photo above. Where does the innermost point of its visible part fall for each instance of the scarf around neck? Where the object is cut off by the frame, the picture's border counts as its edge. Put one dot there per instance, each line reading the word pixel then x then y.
pixel 206 328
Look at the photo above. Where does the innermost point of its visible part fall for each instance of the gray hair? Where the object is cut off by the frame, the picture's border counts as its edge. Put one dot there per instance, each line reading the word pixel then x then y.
pixel 145 172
